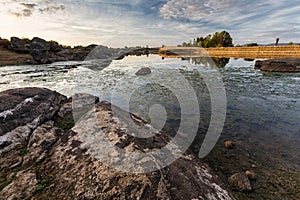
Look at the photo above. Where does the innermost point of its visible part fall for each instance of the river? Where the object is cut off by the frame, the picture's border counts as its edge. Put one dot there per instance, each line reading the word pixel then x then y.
pixel 263 109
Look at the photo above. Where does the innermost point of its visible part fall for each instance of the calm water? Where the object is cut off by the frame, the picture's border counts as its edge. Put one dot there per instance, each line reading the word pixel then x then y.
pixel 263 109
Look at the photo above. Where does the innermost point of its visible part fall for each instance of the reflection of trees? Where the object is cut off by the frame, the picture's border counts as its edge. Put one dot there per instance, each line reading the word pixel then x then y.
pixel 207 61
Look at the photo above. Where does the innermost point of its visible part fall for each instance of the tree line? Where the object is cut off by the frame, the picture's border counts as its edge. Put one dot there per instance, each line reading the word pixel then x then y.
pixel 218 39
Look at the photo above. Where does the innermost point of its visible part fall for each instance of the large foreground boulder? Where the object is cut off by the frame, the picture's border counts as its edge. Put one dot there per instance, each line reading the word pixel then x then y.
pixel 23 110
pixel 279 65
pixel 52 163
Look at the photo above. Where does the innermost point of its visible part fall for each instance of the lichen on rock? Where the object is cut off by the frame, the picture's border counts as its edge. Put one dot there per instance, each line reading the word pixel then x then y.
pixel 50 162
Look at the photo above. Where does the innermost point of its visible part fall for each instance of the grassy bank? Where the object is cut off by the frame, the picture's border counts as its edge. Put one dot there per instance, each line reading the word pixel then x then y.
pixel 258 52
pixel 12 58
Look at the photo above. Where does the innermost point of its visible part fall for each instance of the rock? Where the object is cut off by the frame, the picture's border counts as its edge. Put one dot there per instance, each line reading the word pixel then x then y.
pixel 55 47
pixel 39 44
pixel 39 50
pixel 40 142
pixel 42 57
pixel 253 166
pixel 20 46
pixel 66 165
pixel 143 71
pixel 251 175
pixel 81 104
pixel 22 110
pixel 65 108
pixel 229 144
pixel 81 174
pixel 279 65
pixel 23 187
pixel 240 182
pixel 75 54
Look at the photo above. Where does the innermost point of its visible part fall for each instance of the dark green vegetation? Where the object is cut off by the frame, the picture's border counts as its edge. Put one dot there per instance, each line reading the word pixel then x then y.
pixel 218 39
pixel 252 45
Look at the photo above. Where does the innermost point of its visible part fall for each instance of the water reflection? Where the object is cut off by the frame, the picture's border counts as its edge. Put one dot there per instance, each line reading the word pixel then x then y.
pixel 208 61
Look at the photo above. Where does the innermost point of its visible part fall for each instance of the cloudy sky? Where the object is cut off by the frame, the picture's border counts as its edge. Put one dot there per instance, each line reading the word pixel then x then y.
pixel 152 22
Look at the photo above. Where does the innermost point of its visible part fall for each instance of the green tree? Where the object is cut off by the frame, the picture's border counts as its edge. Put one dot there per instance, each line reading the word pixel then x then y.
pixel 214 40
pixel 218 39
pixel 226 39
pixel 206 42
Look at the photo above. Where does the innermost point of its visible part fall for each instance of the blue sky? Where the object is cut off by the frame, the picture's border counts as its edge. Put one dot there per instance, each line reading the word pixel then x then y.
pixel 155 22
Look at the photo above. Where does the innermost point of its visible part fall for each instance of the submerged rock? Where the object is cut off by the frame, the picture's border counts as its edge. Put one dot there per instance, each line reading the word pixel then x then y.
pixel 143 71
pixel 229 144
pixel 251 175
pixel 240 182
pixel 279 65
pixel 68 164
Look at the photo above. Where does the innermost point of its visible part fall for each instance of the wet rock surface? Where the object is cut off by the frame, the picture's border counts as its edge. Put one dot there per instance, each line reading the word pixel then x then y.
pixel 143 71
pixel 279 65
pixel 51 162
pixel 240 182
pixel 229 144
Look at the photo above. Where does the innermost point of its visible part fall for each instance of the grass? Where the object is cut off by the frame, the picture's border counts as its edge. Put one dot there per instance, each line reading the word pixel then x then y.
pixel 65 123
pixel 23 151
pixel 42 185
pixel 12 58
pixel 262 52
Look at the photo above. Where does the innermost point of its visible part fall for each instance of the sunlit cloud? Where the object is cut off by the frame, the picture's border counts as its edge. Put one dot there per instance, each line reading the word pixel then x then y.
pixel 23 8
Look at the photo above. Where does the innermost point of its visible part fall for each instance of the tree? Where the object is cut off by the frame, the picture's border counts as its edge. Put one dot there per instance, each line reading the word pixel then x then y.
pixel 214 40
pixel 277 41
pixel 226 39
pixel 219 39
pixel 200 41
pixel 206 42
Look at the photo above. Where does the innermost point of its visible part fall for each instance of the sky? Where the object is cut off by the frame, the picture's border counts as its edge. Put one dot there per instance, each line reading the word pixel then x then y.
pixel 120 23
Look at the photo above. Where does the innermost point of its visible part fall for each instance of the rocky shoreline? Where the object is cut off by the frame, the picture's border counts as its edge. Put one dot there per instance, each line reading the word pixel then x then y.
pixel 279 65
pixel 40 51
pixel 43 156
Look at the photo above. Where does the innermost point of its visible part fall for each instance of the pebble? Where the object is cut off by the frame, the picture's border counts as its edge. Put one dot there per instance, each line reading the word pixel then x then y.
pixel 253 166
pixel 251 175
pixel 229 144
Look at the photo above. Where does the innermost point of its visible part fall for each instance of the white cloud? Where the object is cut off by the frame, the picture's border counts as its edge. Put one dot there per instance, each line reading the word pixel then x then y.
pixel 26 8
pixel 248 20
pixel 126 22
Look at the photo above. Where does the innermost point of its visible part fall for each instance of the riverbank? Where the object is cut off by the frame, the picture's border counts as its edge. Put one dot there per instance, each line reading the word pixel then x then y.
pixel 259 52
pixel 262 118
pixel 8 58
pixel 18 51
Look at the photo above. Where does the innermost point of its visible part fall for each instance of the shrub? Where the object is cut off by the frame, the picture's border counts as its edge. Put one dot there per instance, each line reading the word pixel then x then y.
pixel 252 45
pixel 4 43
